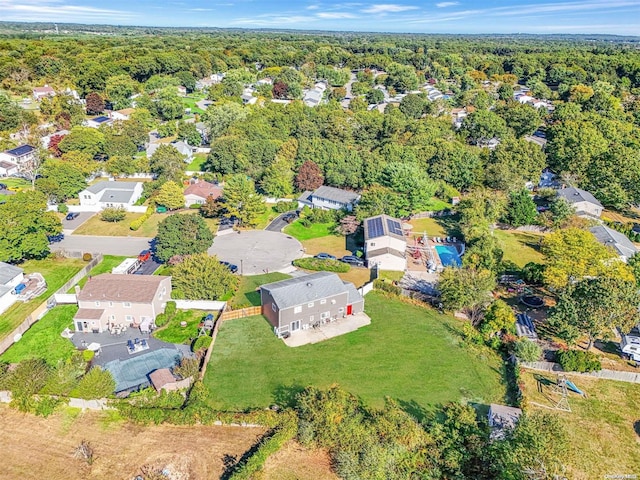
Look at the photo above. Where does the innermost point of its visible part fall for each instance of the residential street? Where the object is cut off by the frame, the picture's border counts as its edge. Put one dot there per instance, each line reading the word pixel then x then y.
pixel 128 246
pixel 278 223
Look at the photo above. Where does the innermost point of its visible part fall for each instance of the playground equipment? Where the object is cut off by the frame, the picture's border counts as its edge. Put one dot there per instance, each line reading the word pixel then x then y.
pixel 562 387
pixel 572 386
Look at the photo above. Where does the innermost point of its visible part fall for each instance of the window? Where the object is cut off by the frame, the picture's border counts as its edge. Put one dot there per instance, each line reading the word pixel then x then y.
pixel 273 307
pixel 112 317
pixel 128 318
pixel 297 309
pixel 111 304
pixel 126 304
pixel 310 304
pixel 333 301
pixel 324 315
pixel 323 301
pixel 311 318
pixel 97 304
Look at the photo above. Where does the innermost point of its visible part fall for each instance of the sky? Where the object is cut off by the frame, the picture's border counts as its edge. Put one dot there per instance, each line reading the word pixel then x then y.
pixel 621 17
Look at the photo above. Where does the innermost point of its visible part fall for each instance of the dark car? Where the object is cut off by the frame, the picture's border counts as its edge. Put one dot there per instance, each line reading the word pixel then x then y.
pixel 232 268
pixel 289 217
pixel 72 215
pixel 636 228
pixel 55 238
pixel 353 260
pixel 325 256
pixel 3 186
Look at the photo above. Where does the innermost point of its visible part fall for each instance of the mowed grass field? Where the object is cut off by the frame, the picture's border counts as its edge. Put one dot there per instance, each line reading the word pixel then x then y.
pixel 409 353
pixel 603 428
pixel 520 247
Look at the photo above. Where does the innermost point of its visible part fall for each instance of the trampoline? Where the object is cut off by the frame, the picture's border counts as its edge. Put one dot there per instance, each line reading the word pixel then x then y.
pixel 533 301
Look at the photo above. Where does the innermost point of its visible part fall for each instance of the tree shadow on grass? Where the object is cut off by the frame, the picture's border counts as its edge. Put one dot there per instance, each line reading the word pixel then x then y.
pixel 450 224
pixel 414 409
pixel 636 427
pixel 285 395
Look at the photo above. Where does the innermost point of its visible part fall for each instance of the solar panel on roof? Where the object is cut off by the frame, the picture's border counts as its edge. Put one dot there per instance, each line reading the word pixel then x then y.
pixel 394 227
pixel 100 119
pixel 21 150
pixel 374 225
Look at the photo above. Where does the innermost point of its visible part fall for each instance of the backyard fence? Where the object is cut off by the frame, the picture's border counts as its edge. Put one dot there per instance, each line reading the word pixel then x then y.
pixel 43 308
pixel 439 213
pixel 207 356
pixel 240 313
pixel 629 377
pixel 366 288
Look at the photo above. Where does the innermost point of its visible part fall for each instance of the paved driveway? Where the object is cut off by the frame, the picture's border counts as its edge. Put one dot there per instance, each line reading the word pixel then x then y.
pixel 70 225
pixel 127 246
pixel 257 251
pixel 278 223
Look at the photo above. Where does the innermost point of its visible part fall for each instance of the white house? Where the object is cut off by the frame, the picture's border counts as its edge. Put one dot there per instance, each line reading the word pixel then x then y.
pixel 110 194
pixel 185 149
pixel 384 243
pixel 19 155
pixel 616 240
pixel 329 198
pixel 7 168
pixel 123 114
pixel 585 204
pixel 41 92
pixel 630 344
pixel 97 122
pixel 10 277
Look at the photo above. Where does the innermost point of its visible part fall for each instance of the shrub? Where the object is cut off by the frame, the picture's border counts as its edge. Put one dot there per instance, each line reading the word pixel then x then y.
pixel 388 287
pixel 195 206
pixel 189 367
pixel 87 355
pixel 161 320
pixel 46 405
pixel 282 207
pixel 87 257
pixel 137 223
pixel 528 351
pixel 62 208
pixel 318 264
pixel 318 215
pixel 201 343
pixel 170 309
pixel 578 361
pixel 97 383
pixel 113 214
pixel 533 273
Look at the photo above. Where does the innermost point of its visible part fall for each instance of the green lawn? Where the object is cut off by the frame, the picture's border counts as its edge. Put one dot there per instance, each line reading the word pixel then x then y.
pixel 43 339
pixel 316 230
pixel 56 272
pixel 190 102
pixel 520 247
pixel 174 333
pixel 246 295
pixel 196 164
pixel 409 353
pixel 15 182
pixel 95 226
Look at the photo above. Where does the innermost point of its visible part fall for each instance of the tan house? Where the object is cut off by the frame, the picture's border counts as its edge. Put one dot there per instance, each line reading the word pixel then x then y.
pixel 305 302
pixel 198 192
pixel 114 301
pixel 384 243
pixel 585 204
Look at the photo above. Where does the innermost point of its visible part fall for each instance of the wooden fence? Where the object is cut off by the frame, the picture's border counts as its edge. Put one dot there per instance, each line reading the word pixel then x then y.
pixel 629 377
pixel 240 313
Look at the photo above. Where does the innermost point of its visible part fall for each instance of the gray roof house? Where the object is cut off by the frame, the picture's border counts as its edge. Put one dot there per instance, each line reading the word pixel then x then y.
pixel 616 240
pixel 305 302
pixel 110 194
pixel 585 204
pixel 329 198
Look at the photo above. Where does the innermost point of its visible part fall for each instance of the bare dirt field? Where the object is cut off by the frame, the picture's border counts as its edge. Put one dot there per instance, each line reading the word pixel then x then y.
pixel 37 448
pixel 295 462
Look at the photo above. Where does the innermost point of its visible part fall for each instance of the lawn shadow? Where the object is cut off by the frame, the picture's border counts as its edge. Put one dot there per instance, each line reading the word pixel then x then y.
pixel 285 395
pixel 450 224
pixel 414 409
pixel 636 427
pixel 607 347
pixel 253 298
pixel 355 241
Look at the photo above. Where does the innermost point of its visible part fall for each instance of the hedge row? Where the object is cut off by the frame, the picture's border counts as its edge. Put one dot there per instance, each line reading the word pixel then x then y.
pixel 137 223
pixel 269 444
pixel 380 284
pixel 578 361
pixel 317 264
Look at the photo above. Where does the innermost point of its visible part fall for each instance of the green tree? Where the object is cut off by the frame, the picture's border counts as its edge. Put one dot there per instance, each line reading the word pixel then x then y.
pixel 634 265
pixel 189 133
pixel 468 290
pixel 521 209
pixel 401 78
pixel 95 384
pixel 182 235
pixel 375 96
pixel 169 104
pixel 26 223
pixel 513 163
pixel 170 195
pixel 479 210
pixel 482 125
pixel 413 185
pixel 242 201
pixel 413 105
pixel 277 180
pixel 201 277
pixel 595 306
pixel 60 180
pixel 10 114
pixel 483 253
pixel 167 163
pixel 528 351
pixel 220 117
pixel 499 319
pixel 83 139
pixel 522 118
pixel 457 164
pixel 118 89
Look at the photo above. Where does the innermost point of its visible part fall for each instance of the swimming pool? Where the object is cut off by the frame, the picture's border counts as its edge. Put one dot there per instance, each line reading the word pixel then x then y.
pixel 448 256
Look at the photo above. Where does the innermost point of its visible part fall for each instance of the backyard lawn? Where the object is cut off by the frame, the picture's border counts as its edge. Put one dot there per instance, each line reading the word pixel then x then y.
pixel 520 247
pixel 246 295
pixel 603 428
pixel 409 353
pixel 428 225
pixel 197 162
pixel 43 339
pixel 56 272
pixel 173 332
pixel 95 226
pixel 315 230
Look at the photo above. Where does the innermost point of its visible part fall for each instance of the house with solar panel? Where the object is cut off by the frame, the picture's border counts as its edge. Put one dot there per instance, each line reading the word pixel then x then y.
pixel 385 243
pixel 12 160
pixel 97 122
pixel 106 194
pixel 329 198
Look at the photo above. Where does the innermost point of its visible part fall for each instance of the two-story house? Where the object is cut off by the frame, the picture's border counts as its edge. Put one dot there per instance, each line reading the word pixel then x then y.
pixel 619 242
pixel 110 194
pixel 304 302
pixel 384 243
pixel 12 160
pixel 585 204
pixel 329 198
pixel 109 301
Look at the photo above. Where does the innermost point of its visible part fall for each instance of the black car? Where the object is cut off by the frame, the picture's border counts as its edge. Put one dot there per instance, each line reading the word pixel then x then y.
pixel 353 260
pixel 325 256
pixel 232 268
pixel 55 238
pixel 289 217
pixel 3 186
pixel 636 228
pixel 72 215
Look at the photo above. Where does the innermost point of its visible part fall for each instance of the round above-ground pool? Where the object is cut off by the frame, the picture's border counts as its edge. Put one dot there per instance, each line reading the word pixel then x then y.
pixel 532 301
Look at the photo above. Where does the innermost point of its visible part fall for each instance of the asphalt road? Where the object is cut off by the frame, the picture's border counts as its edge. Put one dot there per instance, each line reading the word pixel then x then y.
pixel 126 246
pixel 278 223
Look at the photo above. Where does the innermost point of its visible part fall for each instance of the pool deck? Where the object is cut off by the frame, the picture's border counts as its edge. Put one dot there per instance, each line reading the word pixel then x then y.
pixel 419 265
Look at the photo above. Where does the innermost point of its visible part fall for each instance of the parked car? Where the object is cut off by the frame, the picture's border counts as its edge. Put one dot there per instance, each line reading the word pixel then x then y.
pixel 55 238
pixel 3 186
pixel 144 255
pixel 161 209
pixel 353 260
pixel 325 256
pixel 72 215
pixel 289 217
pixel 636 228
pixel 232 268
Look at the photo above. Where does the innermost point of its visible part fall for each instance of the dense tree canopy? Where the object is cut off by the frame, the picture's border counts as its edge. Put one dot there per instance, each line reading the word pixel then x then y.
pixel 182 235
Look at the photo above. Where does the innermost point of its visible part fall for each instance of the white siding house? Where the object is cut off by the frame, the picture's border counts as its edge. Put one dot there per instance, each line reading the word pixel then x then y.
pixel 110 194
pixel 384 243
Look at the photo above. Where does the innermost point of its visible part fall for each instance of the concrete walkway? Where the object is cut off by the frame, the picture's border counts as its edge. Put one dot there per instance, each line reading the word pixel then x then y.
pixel 328 330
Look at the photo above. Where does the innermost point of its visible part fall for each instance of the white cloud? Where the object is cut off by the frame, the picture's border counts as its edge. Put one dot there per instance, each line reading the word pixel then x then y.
pixel 55 10
pixel 388 8
pixel 313 7
pixel 201 9
pixel 335 15
pixel 446 4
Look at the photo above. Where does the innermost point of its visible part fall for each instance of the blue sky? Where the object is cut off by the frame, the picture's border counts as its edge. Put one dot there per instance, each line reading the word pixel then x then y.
pixel 437 16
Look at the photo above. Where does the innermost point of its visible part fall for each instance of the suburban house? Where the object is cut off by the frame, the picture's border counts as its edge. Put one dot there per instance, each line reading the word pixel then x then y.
pixel 97 122
pixel 313 97
pixel 384 243
pixel 304 302
pixel 630 344
pixel 198 192
pixel 124 114
pixel 182 90
pixel 110 194
pixel 7 168
pixel 19 155
pixel 616 240
pixel 209 81
pixel 10 277
pixel 41 92
pixel 585 204
pixel 502 419
pixel 114 301
pixel 329 198
pixel 203 130
pixel 185 149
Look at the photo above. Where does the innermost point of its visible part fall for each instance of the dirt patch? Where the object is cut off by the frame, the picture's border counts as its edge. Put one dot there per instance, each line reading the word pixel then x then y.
pixel 295 462
pixel 36 448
